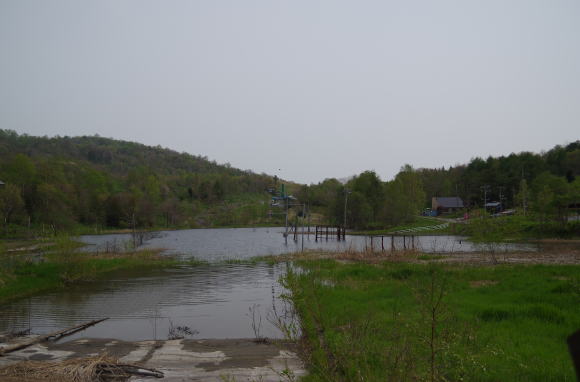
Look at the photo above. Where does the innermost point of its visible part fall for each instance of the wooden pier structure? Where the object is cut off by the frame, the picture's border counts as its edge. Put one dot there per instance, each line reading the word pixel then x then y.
pixel 408 242
pixel 326 231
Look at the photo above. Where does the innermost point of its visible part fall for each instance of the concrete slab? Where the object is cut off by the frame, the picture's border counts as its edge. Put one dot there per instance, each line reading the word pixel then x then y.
pixel 226 360
pixel 230 360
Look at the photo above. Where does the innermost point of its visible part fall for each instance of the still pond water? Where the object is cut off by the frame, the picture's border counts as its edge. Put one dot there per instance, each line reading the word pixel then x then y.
pixel 215 300
pixel 241 243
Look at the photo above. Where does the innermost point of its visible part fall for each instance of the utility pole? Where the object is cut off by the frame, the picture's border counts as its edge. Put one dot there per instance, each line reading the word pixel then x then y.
pixel 285 198
pixel 346 192
pixel 501 197
pixel 524 191
pixel 484 188
pixel 286 224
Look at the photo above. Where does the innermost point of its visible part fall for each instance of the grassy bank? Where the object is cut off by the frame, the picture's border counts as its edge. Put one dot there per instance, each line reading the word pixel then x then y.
pixel 516 228
pixel 21 276
pixel 408 322
pixel 419 222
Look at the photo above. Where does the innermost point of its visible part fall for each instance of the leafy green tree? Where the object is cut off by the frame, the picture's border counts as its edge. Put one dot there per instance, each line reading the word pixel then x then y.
pixel 369 187
pixel 51 207
pixel 359 211
pixel 19 170
pixel 114 210
pixel 572 165
pixel 523 196
pixel 405 196
pixel 552 194
pixel 11 202
pixel 218 190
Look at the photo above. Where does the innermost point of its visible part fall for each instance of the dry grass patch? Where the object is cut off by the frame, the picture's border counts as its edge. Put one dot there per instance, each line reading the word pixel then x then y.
pixel 89 369
pixel 482 283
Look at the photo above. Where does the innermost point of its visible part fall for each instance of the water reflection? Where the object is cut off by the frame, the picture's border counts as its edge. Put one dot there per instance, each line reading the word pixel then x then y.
pixel 211 299
pixel 242 243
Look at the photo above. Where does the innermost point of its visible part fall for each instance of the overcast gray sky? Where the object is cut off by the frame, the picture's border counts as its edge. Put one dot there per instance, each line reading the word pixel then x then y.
pixel 314 88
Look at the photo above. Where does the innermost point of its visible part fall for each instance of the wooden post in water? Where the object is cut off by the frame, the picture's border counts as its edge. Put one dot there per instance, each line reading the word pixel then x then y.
pixel 372 247
pixel 308 209
pixel 404 242
pixel 392 243
pixel 413 241
pixel 296 228
pixel 303 212
pixel 382 243
pixel 326 232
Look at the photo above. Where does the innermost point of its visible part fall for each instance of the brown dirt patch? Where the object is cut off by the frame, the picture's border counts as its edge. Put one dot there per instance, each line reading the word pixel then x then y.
pixel 561 278
pixel 482 283
pixel 559 255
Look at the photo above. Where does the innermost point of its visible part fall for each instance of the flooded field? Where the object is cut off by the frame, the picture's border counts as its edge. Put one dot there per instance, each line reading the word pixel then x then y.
pixel 214 300
pixel 242 243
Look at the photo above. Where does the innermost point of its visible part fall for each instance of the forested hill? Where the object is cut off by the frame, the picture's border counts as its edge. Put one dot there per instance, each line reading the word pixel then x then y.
pixel 64 182
pixel 115 156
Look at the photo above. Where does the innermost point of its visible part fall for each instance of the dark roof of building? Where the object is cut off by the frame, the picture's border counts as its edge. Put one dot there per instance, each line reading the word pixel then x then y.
pixel 449 202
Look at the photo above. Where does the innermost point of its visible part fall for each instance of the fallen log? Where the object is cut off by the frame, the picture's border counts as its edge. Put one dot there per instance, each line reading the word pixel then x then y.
pixel 50 336
pixel 137 371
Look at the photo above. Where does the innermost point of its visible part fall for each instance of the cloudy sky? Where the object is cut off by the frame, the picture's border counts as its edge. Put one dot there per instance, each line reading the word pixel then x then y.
pixel 303 89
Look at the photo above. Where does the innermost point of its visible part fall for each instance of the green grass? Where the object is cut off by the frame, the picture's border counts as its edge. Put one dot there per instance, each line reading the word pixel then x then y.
pixel 430 257
pixel 420 221
pixel 516 227
pixel 372 323
pixel 20 277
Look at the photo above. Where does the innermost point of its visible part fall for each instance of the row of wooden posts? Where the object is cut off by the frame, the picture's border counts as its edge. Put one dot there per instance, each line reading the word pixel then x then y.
pixel 327 231
pixel 338 232
pixel 408 242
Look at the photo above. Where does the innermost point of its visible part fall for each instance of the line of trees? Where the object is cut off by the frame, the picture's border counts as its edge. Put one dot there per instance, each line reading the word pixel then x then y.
pixel 369 202
pixel 503 175
pixel 543 185
pixel 93 181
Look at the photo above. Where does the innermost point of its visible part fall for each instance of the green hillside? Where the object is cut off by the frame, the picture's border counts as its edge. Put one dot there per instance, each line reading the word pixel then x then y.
pixel 63 183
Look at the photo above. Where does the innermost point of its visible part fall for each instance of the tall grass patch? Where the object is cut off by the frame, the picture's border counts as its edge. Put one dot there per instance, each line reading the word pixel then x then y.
pixel 407 322
pixel 64 264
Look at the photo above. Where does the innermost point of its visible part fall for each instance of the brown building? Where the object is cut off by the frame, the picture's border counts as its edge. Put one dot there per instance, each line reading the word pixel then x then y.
pixel 446 204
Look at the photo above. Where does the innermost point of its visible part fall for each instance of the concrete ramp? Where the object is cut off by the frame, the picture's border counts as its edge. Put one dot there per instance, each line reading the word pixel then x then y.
pixel 219 360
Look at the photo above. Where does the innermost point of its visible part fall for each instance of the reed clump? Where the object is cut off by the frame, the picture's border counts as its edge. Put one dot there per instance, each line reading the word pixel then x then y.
pixel 64 264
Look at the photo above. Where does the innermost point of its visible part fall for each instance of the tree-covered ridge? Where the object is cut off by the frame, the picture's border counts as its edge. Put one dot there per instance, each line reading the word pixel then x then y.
pixel 502 174
pixel 65 181
pixel 115 156
pixel 544 185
